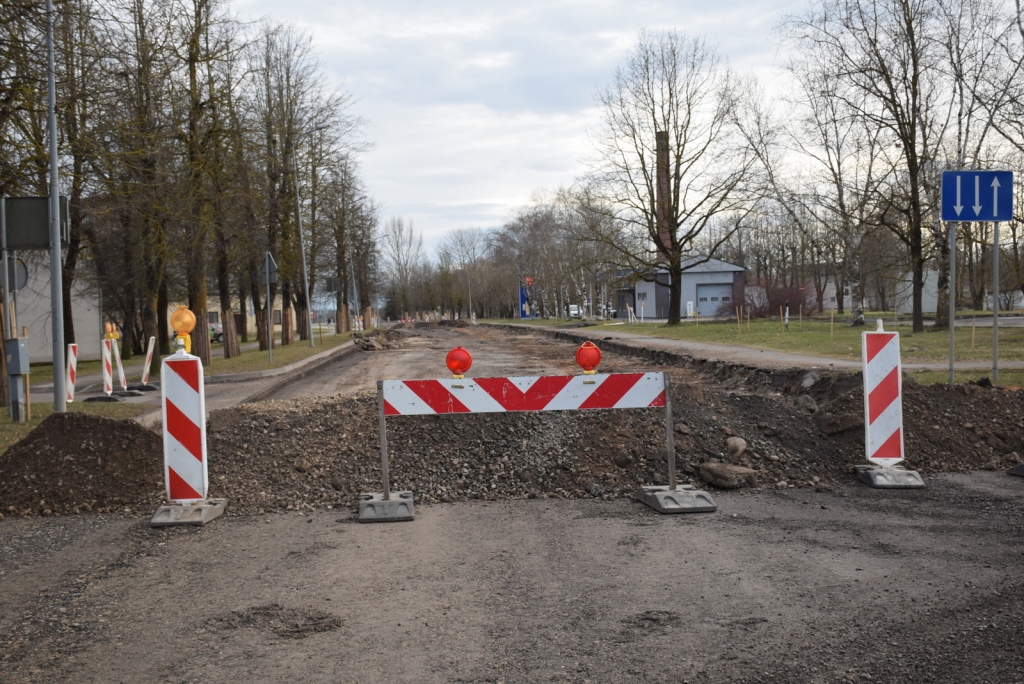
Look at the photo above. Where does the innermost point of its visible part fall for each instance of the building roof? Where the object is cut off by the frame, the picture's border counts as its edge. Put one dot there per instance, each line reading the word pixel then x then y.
pixel 709 266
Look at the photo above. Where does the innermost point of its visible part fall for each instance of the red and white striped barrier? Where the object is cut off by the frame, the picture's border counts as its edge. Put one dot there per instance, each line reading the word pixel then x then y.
pixel 72 372
pixel 545 393
pixel 108 371
pixel 120 368
pixel 184 407
pixel 149 360
pixel 883 403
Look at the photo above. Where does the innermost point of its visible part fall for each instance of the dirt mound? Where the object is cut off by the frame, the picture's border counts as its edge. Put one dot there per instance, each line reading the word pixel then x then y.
pixel 946 427
pixel 378 339
pixel 75 462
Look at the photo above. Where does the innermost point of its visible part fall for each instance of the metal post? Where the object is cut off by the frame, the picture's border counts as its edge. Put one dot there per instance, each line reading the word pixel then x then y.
pixel 56 274
pixel 7 281
pixel 270 318
pixel 670 444
pixel 302 247
pixel 952 295
pixel 995 303
pixel 383 442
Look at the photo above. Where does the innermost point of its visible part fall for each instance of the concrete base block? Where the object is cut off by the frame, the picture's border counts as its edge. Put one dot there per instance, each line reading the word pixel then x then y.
pixel 684 499
pixel 895 477
pixel 1017 470
pixel 198 513
pixel 104 398
pixel 373 507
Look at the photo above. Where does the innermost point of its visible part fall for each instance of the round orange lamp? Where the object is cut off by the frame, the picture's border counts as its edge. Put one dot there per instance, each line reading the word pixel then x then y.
pixel 458 362
pixel 588 356
pixel 184 321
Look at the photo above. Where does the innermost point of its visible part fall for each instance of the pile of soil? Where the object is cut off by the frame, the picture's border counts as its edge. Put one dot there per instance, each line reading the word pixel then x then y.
pixel 74 462
pixel 946 427
pixel 377 339
pixel 313 452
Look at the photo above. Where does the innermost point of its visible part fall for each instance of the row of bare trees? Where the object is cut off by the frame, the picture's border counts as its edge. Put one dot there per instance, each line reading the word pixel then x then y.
pixel 190 143
pixel 832 178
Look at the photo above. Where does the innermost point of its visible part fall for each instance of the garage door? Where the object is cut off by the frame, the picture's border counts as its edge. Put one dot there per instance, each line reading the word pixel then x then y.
pixel 711 298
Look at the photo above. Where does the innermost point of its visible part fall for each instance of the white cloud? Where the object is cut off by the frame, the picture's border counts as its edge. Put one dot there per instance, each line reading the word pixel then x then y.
pixel 473 106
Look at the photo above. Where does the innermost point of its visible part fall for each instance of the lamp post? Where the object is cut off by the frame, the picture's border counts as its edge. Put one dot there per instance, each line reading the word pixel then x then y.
pixel 302 240
pixel 56 273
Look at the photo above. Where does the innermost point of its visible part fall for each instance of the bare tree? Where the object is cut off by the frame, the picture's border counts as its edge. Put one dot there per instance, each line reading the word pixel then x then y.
pixel 402 250
pixel 676 86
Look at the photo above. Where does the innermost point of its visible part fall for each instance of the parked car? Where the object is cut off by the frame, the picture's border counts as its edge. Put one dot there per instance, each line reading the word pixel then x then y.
pixel 575 311
pixel 216 332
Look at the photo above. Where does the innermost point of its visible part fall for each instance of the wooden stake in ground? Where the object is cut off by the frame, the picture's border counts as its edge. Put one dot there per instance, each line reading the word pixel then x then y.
pixel 832 323
pixel 800 313
pixel 748 320
pixel 739 321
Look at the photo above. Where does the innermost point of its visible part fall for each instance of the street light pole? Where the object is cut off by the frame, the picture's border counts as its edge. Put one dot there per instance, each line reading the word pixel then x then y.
pixel 302 240
pixel 56 272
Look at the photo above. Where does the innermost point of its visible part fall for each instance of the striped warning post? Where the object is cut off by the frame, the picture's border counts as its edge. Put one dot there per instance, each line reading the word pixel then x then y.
pixel 149 360
pixel 543 393
pixel 72 372
pixel 883 403
pixel 120 368
pixel 184 408
pixel 108 371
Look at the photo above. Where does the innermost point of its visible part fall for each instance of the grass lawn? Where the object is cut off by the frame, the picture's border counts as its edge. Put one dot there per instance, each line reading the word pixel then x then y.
pixel 1009 378
pixel 11 432
pixel 256 360
pixel 814 337
pixel 251 360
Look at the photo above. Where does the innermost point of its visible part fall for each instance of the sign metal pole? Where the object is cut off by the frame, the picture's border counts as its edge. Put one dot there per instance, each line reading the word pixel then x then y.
pixel 952 296
pixel 995 302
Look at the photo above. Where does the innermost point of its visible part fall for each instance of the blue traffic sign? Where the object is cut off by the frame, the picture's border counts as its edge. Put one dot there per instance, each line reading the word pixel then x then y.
pixel 977 195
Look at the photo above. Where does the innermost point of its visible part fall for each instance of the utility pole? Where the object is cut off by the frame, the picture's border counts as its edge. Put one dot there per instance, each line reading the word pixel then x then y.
pixel 302 240
pixel 56 267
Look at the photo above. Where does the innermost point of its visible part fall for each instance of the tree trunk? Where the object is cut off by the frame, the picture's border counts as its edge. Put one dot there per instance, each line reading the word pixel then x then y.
pixel 675 296
pixel 243 311
pixel 163 333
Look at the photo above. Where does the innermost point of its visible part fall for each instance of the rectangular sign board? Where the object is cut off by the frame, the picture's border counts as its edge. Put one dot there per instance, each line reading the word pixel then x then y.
pixel 28 222
pixel 977 195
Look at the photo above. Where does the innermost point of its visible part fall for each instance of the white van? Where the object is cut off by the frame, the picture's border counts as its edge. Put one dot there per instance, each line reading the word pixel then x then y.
pixel 575 311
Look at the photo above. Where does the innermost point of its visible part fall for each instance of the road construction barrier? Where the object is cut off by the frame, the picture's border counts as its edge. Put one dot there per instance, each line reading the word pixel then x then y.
pixel 120 368
pixel 108 371
pixel 149 360
pixel 590 391
pixel 72 372
pixel 883 405
pixel 184 413
pixel 184 409
pixel 883 414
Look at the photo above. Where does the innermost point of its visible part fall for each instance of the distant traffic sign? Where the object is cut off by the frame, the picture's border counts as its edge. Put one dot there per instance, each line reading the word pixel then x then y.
pixel 977 195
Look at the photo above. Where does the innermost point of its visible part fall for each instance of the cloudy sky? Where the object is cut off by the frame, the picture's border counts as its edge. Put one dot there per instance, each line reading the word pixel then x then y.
pixel 474 107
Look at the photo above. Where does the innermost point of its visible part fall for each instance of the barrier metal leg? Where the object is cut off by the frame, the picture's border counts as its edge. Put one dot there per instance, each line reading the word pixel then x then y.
pixel 381 507
pixel 383 443
pixel 674 499
pixel 670 442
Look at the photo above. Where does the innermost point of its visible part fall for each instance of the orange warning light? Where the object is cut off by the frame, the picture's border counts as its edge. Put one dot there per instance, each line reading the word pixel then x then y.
pixel 183 321
pixel 458 362
pixel 588 356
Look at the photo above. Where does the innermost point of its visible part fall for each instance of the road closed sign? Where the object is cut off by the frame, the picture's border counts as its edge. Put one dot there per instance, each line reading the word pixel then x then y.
pixel 883 398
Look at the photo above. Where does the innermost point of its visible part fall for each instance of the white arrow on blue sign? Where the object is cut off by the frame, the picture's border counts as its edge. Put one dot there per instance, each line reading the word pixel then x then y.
pixel 977 195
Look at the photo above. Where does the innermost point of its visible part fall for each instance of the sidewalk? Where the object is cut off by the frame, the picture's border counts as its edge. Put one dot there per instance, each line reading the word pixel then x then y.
pixel 765 358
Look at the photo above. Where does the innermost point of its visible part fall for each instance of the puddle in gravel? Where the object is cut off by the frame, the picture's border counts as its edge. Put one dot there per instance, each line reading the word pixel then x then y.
pixel 289 623
pixel 649 622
